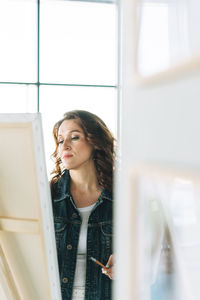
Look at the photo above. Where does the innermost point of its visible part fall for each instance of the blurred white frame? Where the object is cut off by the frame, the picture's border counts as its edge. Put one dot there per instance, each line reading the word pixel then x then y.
pixel 178 31
pixel 165 198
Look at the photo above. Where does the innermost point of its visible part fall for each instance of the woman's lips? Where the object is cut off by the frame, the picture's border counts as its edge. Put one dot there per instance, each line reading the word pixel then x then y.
pixel 67 155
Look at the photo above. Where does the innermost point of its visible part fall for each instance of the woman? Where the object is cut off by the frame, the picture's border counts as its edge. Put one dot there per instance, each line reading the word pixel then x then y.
pixel 82 205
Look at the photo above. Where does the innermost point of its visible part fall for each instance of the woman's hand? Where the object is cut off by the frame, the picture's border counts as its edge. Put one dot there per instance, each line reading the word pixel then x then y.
pixel 109 267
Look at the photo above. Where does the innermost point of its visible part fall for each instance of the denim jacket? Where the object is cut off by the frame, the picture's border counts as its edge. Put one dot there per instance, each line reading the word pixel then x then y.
pixel 67 221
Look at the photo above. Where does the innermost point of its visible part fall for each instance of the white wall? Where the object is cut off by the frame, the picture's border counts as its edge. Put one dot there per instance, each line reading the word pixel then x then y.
pixel 160 123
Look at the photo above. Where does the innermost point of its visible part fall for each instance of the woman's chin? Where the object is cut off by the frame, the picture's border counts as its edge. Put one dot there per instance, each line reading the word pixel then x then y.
pixel 67 166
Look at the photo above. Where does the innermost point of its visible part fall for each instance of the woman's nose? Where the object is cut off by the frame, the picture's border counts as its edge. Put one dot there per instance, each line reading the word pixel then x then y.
pixel 67 144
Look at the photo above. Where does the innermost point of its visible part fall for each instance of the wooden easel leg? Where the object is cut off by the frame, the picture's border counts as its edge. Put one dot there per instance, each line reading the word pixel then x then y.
pixel 7 283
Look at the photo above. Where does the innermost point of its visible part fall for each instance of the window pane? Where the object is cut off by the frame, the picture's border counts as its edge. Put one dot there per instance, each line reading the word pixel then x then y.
pixel 78 42
pixel 55 101
pixel 18 51
pixel 18 98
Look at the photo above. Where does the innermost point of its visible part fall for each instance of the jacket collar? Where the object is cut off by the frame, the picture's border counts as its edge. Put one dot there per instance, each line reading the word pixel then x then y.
pixel 61 189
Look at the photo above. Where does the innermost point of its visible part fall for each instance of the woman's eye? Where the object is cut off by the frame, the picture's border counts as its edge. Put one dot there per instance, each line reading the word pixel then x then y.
pixel 75 138
pixel 60 142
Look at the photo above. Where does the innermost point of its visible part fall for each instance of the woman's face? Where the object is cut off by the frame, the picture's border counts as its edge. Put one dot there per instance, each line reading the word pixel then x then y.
pixel 73 148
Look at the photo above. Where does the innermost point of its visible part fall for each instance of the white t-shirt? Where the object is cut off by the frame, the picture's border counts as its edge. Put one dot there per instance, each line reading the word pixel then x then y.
pixel 80 272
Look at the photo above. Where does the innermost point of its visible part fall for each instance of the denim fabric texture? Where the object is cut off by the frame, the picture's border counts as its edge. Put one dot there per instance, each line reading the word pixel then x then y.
pixel 67 221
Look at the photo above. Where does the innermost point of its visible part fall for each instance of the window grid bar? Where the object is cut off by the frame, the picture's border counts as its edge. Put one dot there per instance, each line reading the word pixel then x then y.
pixel 59 84
pixel 13 82
pixel 82 85
pixel 95 1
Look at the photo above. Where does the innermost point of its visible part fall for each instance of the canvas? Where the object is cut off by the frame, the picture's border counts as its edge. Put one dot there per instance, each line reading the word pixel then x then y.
pixel 28 260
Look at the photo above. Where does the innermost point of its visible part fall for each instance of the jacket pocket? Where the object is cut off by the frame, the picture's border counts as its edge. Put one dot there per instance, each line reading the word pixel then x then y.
pixel 106 236
pixel 60 226
pixel 106 229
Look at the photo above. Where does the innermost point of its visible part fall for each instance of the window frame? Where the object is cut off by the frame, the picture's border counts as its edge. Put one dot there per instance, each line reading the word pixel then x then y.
pixel 38 83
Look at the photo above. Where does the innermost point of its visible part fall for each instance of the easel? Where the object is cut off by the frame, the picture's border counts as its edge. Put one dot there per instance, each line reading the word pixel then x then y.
pixel 8 280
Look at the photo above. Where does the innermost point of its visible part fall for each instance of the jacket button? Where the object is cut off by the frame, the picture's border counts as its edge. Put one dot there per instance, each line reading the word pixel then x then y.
pixel 65 280
pixel 69 247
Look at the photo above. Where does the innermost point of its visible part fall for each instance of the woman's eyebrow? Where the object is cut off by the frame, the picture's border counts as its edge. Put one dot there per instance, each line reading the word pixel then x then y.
pixel 75 130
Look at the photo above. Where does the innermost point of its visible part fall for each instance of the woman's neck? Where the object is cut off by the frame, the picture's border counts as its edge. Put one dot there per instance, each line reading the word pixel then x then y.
pixel 84 187
pixel 84 179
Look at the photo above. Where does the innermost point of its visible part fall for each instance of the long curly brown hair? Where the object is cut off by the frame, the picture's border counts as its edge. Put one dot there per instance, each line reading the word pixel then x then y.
pixel 98 135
